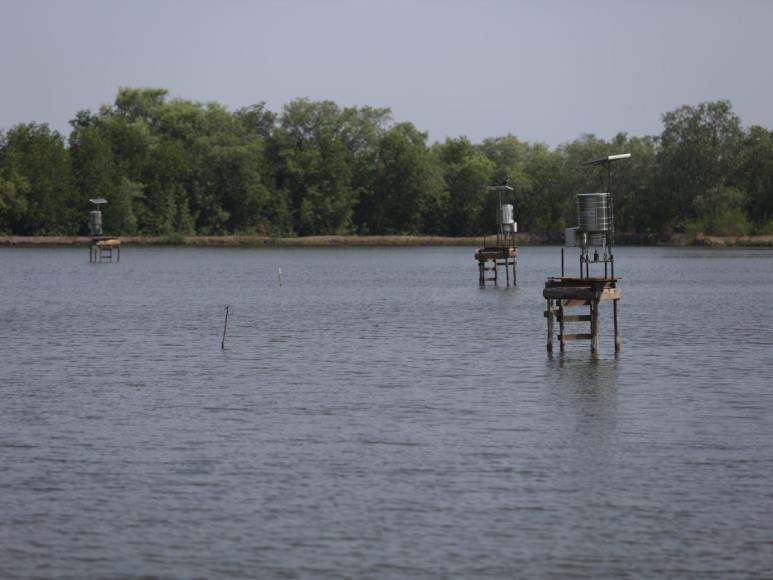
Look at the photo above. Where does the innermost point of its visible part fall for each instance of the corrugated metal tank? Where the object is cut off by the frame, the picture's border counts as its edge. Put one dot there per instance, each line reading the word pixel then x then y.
pixel 507 214
pixel 506 219
pixel 95 222
pixel 593 215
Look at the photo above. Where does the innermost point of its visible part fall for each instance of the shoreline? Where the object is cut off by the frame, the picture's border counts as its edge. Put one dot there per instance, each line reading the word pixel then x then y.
pixel 251 241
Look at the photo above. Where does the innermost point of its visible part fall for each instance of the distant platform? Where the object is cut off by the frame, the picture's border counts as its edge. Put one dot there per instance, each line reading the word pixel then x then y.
pixel 495 252
pixel 101 249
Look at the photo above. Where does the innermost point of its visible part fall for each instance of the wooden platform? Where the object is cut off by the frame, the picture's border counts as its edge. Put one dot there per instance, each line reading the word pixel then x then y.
pixel 490 258
pixel 491 252
pixel 101 249
pixel 565 292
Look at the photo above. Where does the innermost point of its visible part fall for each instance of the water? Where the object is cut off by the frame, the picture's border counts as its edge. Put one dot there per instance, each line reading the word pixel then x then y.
pixel 380 416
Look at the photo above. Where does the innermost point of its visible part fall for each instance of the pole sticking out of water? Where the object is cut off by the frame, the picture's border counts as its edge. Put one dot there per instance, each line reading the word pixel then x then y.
pixel 562 262
pixel 225 327
pixel 279 274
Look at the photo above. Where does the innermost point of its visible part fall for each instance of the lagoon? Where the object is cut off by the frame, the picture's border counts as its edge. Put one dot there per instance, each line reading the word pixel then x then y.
pixel 379 415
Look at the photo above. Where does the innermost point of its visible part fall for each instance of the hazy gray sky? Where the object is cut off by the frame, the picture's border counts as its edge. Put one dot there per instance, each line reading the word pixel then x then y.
pixel 544 71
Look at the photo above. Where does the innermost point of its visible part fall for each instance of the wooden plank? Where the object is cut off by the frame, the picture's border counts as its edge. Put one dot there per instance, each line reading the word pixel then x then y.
pixel 570 303
pixel 567 293
pixel 108 243
pixel 569 281
pixel 578 336
pixel 573 293
pixel 570 317
pixel 576 317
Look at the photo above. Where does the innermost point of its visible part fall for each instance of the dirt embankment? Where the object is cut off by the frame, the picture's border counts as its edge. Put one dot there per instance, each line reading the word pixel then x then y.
pixel 742 241
pixel 523 239
pixel 264 241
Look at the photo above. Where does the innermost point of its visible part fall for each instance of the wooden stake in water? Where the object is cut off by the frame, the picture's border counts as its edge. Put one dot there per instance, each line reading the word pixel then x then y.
pixel 279 273
pixel 225 327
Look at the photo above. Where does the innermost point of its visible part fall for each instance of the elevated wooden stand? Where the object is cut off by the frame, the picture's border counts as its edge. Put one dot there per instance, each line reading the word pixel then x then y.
pixel 562 293
pixel 491 258
pixel 101 249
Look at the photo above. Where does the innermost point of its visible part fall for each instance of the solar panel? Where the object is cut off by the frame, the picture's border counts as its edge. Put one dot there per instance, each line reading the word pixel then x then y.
pixel 608 159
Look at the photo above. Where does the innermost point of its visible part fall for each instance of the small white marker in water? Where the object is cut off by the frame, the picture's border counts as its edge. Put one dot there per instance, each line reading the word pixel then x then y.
pixel 279 272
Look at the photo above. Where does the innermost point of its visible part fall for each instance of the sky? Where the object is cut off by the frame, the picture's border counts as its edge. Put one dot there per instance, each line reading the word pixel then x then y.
pixel 545 71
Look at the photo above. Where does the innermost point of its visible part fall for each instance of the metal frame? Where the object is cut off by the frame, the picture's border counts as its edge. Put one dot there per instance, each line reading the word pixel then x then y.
pixel 608 258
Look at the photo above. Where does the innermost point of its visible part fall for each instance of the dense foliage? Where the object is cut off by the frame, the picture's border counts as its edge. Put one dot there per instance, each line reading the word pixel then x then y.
pixel 172 166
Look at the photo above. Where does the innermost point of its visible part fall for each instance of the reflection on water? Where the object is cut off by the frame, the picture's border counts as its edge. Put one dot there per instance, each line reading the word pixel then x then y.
pixel 380 415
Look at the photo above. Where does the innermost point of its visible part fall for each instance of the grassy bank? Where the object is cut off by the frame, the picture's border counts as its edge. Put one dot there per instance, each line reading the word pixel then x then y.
pixel 374 241
pixel 245 241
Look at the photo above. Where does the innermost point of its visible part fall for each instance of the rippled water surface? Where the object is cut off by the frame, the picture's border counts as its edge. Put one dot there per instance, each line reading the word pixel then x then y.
pixel 379 415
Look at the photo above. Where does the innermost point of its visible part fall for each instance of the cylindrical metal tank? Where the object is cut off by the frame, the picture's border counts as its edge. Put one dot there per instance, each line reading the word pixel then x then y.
pixel 95 222
pixel 507 214
pixel 593 213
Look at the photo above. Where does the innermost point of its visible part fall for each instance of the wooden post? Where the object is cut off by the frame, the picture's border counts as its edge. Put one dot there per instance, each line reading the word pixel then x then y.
pixel 496 273
pixel 562 262
pixel 482 272
pixel 550 325
pixel 562 342
pixel 225 327
pixel 594 321
pixel 515 278
pixel 507 272
pixel 616 316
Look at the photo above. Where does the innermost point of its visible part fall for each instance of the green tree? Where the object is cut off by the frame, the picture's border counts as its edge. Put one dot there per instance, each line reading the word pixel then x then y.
pixel 313 166
pixel 699 149
pixel 94 171
pixel 509 156
pixel 468 174
pixel 35 164
pixel 407 189
pixel 755 175
pixel 534 196
pixel 13 200
pixel 721 211
pixel 140 104
pixel 119 215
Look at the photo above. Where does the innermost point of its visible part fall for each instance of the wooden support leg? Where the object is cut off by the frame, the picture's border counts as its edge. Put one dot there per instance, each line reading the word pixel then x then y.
pixel 562 342
pixel 594 331
pixel 496 273
pixel 507 273
pixel 482 272
pixel 515 278
pixel 616 314
pixel 550 326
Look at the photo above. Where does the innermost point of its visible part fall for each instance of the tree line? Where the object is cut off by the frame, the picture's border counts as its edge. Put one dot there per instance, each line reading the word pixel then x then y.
pixel 179 167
